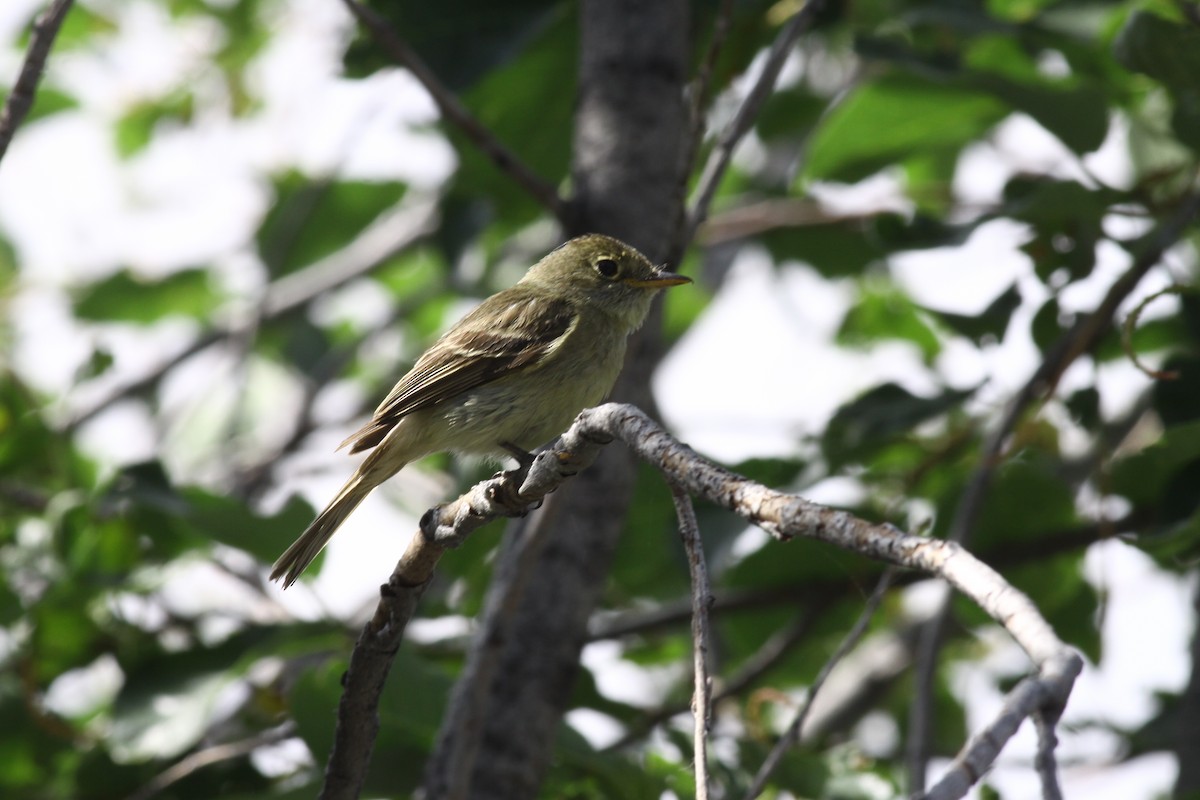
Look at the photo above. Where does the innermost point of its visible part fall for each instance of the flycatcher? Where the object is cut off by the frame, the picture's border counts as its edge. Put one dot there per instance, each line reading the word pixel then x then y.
pixel 508 377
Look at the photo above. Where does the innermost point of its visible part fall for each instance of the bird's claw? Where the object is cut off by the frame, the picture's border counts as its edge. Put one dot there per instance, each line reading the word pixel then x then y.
pixel 524 458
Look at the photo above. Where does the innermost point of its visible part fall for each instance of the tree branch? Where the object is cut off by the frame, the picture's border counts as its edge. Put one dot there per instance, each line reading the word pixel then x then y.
pixel 1083 337
pixel 212 755
pixel 391 232
pixel 792 734
pixel 719 158
pixel 766 657
pixel 20 99
pixel 1048 689
pixel 700 90
pixel 782 515
pixel 699 93
pixel 689 531
pixel 252 479
pixel 456 113
pixel 1045 762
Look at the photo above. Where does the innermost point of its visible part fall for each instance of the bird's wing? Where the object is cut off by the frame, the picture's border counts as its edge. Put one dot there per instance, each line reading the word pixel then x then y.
pixel 512 330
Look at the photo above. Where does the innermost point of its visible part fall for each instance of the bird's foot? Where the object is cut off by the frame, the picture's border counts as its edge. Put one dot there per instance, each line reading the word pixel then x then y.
pixel 524 458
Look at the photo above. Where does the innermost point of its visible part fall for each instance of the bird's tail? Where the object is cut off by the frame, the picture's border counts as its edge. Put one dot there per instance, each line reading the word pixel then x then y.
pixel 302 552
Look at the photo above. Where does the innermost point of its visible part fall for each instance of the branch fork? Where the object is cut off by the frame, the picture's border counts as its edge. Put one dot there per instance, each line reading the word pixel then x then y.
pixel 1040 696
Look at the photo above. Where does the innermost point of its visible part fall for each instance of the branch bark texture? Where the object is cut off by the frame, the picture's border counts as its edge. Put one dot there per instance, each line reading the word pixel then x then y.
pixel 784 516
pixel 630 120
pixel 20 99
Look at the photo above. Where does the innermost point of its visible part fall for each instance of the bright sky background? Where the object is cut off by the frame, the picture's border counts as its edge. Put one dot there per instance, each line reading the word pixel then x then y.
pixel 75 211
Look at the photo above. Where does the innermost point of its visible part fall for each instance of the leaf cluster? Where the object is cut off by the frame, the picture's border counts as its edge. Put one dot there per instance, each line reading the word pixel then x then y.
pixel 91 546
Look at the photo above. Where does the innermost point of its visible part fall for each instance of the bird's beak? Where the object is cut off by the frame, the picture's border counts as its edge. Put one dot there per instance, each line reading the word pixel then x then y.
pixel 661 280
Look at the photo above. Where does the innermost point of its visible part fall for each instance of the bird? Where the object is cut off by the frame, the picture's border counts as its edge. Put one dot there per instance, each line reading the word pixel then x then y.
pixel 507 378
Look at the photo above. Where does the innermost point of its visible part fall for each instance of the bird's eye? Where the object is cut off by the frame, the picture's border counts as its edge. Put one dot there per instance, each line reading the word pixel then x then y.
pixel 607 267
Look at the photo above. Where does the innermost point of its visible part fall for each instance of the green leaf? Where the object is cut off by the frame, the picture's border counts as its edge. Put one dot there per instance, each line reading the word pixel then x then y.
pixel 650 560
pixel 1084 405
pixel 167 701
pixel 301 344
pixel 1175 546
pixel 200 517
pixel 125 297
pixel 835 249
pixel 682 309
pixel 80 28
pixel 580 772
pixel 1078 116
pixel 413 272
pixel 410 713
pixel 1178 401
pixel 49 102
pixel 990 324
pixel 8 266
pixel 802 772
pixel 878 416
pixel 789 113
pixel 462 41
pixel 884 312
pixel 918 232
pixel 65 635
pixel 1017 10
pixel 1067 219
pixel 1166 51
pixel 1029 496
pixel 230 522
pixel 1053 203
pixel 1185 120
pixel 929 182
pixel 1048 324
pixel 1145 478
pixel 312 218
pixel 135 129
pixel 1153 336
pixel 162 722
pixel 533 118
pixel 893 117
pixel 1073 110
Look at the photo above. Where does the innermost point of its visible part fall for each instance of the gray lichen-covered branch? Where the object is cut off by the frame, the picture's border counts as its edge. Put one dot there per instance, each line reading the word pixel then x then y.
pixel 785 516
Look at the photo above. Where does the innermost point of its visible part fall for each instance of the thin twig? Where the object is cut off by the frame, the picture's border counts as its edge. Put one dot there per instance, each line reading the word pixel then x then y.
pixel 812 592
pixel 719 158
pixel 1081 338
pixel 792 734
pixel 1045 762
pixel 699 96
pixel 766 657
pixel 253 478
pixel 782 515
pixel 1047 690
pixel 1130 325
pixel 209 756
pixel 920 714
pixel 20 99
pixel 391 232
pixel 456 113
pixel 700 90
pixel 689 532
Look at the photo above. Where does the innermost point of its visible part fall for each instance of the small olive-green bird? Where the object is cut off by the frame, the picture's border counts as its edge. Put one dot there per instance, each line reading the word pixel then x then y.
pixel 509 377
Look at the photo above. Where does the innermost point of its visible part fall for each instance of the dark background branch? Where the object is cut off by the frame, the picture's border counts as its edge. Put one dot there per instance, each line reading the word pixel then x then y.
pixel 21 98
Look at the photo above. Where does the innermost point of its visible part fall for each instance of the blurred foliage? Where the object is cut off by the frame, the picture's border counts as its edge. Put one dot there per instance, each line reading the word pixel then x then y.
pixel 108 678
